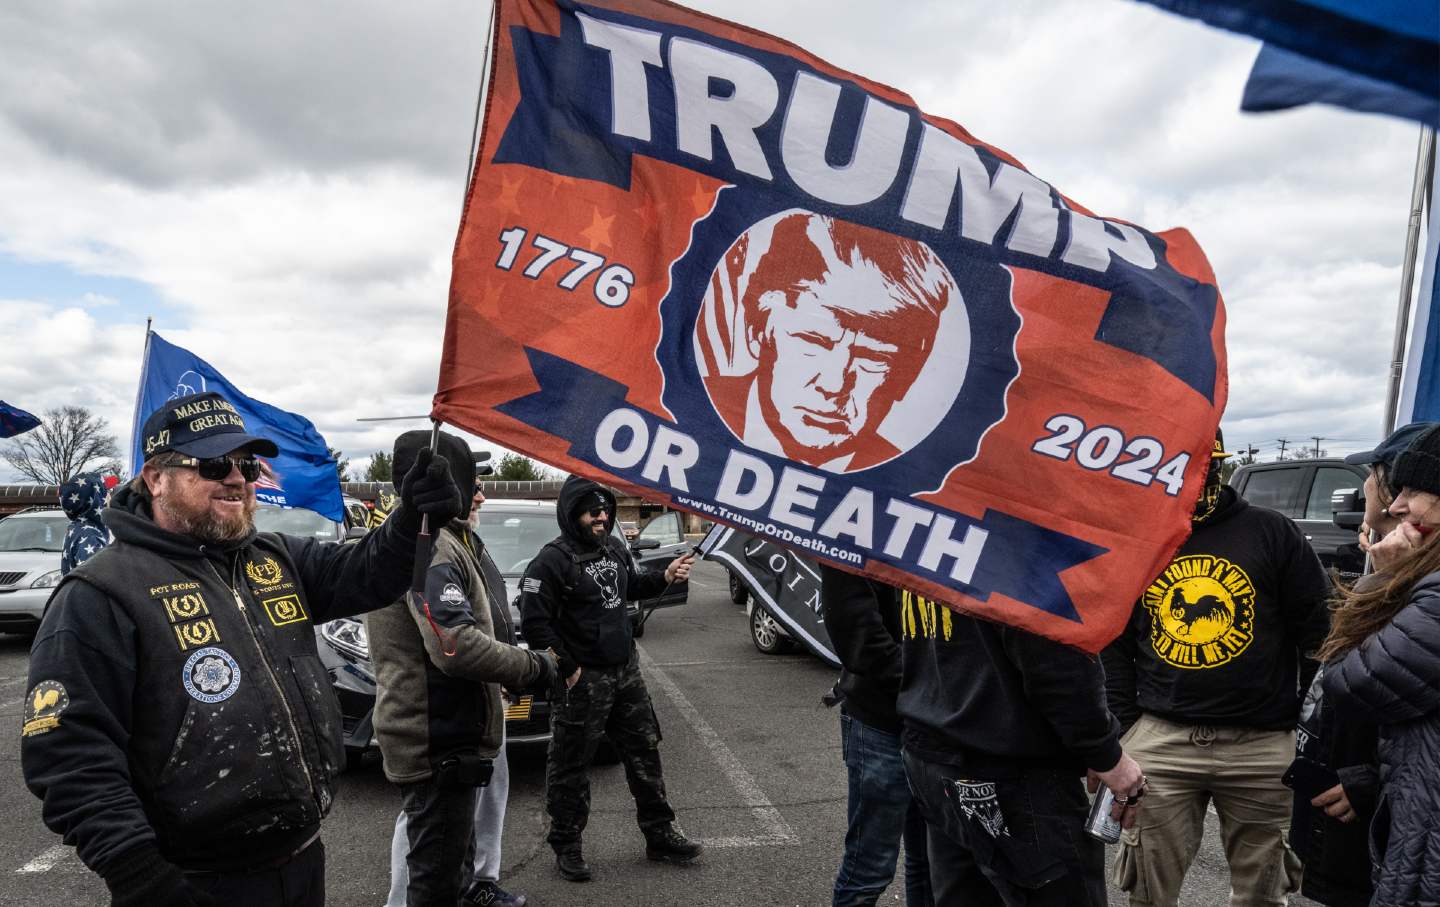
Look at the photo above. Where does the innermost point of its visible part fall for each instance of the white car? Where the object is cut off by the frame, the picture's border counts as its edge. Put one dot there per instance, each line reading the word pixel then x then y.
pixel 30 545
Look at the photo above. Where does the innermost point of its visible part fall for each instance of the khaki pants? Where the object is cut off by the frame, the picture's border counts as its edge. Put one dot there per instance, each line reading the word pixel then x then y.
pixel 1189 766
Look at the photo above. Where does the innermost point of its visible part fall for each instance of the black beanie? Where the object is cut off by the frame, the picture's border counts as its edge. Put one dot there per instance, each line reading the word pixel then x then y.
pixel 1418 466
pixel 456 453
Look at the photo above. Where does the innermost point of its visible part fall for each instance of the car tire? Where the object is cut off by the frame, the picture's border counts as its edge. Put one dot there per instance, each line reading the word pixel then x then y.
pixel 766 634
pixel 739 594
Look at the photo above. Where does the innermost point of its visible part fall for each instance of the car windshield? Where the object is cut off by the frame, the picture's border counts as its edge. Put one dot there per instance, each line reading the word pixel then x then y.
pixel 296 521
pixel 34 533
pixel 514 538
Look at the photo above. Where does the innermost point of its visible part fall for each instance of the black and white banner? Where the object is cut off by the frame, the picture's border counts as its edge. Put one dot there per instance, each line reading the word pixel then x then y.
pixel 785 584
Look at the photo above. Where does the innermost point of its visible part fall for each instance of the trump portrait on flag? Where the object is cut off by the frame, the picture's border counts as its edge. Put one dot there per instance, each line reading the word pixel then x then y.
pixel 811 332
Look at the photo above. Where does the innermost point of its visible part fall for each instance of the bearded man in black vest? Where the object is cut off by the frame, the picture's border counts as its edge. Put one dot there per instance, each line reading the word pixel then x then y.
pixel 179 727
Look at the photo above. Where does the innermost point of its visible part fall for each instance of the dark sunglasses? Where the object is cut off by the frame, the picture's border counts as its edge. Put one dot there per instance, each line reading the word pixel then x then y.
pixel 217 469
pixel 597 512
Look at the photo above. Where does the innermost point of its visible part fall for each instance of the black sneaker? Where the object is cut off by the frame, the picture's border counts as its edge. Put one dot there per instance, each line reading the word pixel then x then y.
pixel 572 865
pixel 488 894
pixel 668 844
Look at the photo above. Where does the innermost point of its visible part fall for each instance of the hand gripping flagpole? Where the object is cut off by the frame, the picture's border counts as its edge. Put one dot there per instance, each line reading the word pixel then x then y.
pixel 424 550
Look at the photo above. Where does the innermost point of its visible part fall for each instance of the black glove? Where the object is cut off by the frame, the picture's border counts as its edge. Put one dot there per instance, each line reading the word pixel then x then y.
pixel 140 877
pixel 545 679
pixel 429 489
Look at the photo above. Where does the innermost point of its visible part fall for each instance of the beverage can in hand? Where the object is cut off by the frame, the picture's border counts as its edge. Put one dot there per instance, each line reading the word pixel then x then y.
pixel 1098 824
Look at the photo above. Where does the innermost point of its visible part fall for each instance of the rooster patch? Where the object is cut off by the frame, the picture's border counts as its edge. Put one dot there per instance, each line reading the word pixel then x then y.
pixel 1202 612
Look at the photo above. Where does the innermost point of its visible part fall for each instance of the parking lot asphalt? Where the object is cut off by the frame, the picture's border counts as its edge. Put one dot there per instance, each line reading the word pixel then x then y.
pixel 752 765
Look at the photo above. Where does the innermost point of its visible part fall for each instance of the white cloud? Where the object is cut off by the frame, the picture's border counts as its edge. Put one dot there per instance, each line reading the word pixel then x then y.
pixel 288 181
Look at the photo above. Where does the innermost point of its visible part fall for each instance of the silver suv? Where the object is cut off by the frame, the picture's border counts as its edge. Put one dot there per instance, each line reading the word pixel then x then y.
pixel 30 544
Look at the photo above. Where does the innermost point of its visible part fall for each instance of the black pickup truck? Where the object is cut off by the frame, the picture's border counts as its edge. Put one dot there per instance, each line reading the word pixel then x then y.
pixel 1325 497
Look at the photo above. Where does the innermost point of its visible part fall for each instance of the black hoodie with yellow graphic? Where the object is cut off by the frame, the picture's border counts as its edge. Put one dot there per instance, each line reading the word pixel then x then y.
pixel 1221 636
pixel 572 599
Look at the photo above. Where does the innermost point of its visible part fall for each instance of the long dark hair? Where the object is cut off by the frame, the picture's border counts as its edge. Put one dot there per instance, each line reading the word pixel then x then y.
pixel 1359 615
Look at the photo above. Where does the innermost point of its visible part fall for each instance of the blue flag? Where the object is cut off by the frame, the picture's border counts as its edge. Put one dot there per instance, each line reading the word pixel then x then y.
pixel 306 474
pixel 1281 79
pixel 1420 382
pixel 15 421
pixel 1393 41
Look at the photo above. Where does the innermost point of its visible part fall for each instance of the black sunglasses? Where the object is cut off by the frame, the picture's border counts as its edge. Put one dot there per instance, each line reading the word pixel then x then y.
pixel 597 512
pixel 217 469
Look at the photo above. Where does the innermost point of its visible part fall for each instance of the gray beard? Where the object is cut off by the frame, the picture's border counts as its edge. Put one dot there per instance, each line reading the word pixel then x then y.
pixel 207 528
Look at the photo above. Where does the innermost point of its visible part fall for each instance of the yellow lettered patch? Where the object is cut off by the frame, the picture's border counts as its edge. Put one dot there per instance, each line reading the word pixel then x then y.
pixel 187 606
pixel 196 633
pixel 266 574
pixel 43 706
pixel 285 609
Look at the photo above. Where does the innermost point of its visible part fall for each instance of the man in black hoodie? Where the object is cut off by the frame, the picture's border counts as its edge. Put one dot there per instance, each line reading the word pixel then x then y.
pixel 1000 726
pixel 180 728
pixel 572 601
pixel 1208 679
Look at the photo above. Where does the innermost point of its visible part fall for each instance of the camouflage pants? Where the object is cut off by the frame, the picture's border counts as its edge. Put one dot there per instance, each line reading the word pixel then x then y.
pixel 603 701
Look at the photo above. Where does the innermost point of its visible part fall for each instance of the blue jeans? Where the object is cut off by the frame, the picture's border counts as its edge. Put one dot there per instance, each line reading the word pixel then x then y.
pixel 880 812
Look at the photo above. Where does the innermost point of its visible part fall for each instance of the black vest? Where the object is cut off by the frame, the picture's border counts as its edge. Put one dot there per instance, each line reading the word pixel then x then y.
pixel 235 733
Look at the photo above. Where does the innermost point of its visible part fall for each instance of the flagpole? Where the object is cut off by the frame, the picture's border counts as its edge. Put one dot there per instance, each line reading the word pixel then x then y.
pixel 140 396
pixel 1424 168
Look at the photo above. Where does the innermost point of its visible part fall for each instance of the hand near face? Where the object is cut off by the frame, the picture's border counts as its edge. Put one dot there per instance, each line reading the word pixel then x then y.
pixel 1400 543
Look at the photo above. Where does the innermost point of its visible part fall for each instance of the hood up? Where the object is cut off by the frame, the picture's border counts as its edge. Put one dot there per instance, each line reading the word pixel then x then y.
pixel 578 491
pixel 82 496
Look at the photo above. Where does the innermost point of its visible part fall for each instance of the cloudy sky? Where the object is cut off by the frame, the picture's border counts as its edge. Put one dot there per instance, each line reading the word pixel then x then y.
pixel 279 185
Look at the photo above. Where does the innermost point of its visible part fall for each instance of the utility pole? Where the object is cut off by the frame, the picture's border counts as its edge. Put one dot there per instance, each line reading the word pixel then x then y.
pixel 1247 456
pixel 1317 439
pixel 1283 442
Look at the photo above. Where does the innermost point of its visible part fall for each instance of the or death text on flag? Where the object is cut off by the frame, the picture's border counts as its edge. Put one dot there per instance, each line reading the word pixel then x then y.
pixel 705 266
pixel 305 474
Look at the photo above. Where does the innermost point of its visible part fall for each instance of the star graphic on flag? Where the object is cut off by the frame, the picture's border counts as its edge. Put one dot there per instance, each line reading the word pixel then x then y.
pixel 89 549
pixel 74 498
pixel 702 199
pixel 509 194
pixel 598 233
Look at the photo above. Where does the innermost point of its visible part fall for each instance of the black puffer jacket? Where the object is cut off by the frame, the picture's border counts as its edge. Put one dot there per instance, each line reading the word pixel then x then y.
pixel 1393 678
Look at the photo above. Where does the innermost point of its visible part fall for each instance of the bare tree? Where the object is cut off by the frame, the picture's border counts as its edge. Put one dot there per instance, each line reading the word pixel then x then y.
pixel 67 442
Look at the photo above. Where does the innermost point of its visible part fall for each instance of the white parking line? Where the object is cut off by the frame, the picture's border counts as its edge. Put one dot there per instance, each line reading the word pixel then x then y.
pixel 775 830
pixel 47 860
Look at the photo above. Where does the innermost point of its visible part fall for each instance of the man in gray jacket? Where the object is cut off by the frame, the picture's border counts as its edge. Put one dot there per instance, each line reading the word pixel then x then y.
pixel 438 710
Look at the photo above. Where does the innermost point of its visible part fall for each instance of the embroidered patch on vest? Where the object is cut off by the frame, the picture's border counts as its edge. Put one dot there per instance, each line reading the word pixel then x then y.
pixel 266 574
pixel 196 633
pixel 285 609
pixel 186 606
pixel 210 675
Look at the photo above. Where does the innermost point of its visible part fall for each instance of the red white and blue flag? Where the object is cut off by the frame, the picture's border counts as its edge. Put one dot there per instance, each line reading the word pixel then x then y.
pixel 702 265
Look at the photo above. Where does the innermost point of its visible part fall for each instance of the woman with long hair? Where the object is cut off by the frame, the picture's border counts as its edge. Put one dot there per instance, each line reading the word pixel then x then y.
pixel 1382 660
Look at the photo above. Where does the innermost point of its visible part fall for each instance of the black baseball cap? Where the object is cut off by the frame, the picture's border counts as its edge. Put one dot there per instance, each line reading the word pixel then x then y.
pixel 200 425
pixel 1387 450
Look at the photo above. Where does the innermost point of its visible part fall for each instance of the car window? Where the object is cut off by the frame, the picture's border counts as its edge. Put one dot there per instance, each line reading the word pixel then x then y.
pixel 44 533
pixel 1274 488
pixel 664 529
pixel 514 538
pixel 296 521
pixel 1328 480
